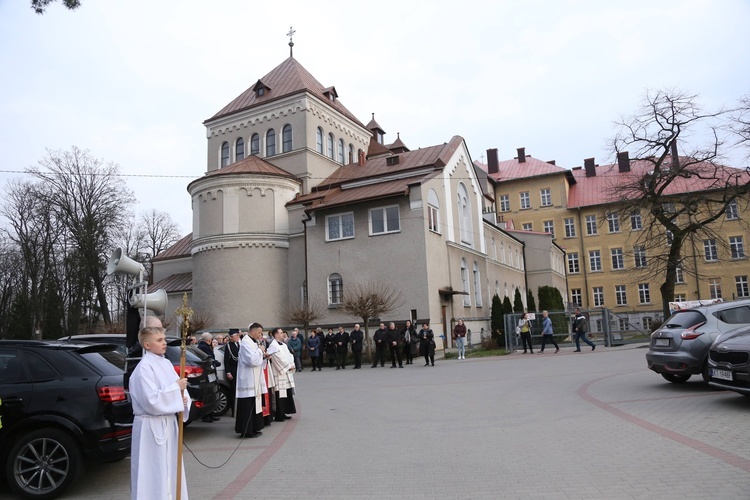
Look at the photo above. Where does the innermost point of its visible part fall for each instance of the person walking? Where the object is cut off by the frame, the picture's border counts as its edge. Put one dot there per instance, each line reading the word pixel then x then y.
pixel 547 333
pixel 408 337
pixel 524 326
pixel 580 327
pixel 459 335
pixel 313 349
pixel 427 344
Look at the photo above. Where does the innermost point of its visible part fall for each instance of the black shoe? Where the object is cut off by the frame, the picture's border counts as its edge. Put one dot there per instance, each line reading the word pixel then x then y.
pixel 287 417
pixel 278 420
pixel 433 364
pixel 577 350
pixel 338 367
pixel 374 366
pixel 427 364
pixel 208 420
pixel 393 366
pixel 558 350
pixel 215 418
pixel 254 435
pixel 593 347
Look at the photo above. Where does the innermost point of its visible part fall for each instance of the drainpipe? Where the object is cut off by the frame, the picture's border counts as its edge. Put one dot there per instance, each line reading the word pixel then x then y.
pixel 582 262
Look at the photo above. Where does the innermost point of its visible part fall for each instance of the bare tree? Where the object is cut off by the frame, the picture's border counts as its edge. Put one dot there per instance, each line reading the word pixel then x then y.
pixel 371 299
pixel 90 200
pixel 305 313
pixel 40 6
pixel 160 232
pixel 10 272
pixel 674 180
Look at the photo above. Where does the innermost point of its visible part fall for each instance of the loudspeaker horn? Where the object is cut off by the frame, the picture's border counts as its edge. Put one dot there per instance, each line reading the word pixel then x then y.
pixel 119 263
pixel 154 301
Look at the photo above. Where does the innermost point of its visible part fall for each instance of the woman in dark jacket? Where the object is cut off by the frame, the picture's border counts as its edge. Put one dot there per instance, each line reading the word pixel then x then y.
pixel 427 344
pixel 408 337
pixel 313 349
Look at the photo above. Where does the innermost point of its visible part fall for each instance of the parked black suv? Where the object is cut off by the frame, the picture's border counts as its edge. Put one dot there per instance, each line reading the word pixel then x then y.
pixel 729 362
pixel 199 369
pixel 63 404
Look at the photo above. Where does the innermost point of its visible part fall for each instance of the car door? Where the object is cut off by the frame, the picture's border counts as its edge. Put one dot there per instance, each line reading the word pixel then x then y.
pixel 15 387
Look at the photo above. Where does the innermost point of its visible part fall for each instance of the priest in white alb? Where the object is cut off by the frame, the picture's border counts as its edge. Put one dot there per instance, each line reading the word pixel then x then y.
pixel 250 383
pixel 282 364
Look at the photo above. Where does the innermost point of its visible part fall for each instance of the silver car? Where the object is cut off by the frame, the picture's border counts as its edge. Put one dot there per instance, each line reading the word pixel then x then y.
pixel 729 362
pixel 679 348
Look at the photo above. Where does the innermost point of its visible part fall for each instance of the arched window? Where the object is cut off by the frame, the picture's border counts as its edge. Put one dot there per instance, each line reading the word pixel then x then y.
pixel 335 289
pixel 330 146
pixel 464 215
pixel 224 154
pixel 254 144
pixel 465 283
pixel 433 211
pixel 341 151
pixel 286 139
pixel 239 149
pixel 319 140
pixel 351 153
pixel 477 286
pixel 270 143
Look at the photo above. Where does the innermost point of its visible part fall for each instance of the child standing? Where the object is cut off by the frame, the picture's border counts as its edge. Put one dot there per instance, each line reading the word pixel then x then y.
pixel 157 394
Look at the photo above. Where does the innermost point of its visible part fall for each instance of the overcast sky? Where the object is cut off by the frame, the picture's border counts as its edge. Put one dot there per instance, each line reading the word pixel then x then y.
pixel 133 80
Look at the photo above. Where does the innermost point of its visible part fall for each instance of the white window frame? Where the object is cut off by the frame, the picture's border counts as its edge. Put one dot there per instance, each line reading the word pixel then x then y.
pixel 525 200
pixel 714 288
pixel 732 211
pixel 545 196
pixel 549 227
pixel 465 283
pixel 644 293
pixel 527 226
pixel 576 297
pixel 574 264
pixel 477 286
pixel 386 227
pixel 570 227
pixel 737 247
pixel 335 289
pixel 613 222
pixel 319 144
pixel 618 259
pixel 741 283
pixel 464 215
pixel 340 218
pixel 639 256
pixel 710 253
pixel 591 228
pixel 636 223
pixel 433 211
pixel 598 294
pixel 621 295
pixel 595 261
pixel 504 203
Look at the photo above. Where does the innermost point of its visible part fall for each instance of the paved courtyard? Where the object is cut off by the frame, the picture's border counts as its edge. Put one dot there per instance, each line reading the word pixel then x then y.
pixel 554 426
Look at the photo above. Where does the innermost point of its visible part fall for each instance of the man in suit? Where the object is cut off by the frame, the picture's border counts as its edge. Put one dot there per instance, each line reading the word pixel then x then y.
pixel 357 337
pixel 342 342
pixel 393 337
pixel 379 339
pixel 231 355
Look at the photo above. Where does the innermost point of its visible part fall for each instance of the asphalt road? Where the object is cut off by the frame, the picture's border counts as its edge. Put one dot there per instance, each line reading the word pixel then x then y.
pixel 553 426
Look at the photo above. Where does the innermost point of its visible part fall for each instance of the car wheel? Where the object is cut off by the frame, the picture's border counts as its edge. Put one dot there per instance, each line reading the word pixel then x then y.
pixel 223 405
pixel 43 463
pixel 705 372
pixel 675 379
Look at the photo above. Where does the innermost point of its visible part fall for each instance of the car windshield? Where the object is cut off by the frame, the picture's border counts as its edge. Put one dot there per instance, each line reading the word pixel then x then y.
pixel 173 355
pixel 685 319
pixel 106 362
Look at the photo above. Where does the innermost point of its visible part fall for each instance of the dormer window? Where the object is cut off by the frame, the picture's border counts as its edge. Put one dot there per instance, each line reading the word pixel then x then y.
pixel 260 88
pixel 261 91
pixel 381 138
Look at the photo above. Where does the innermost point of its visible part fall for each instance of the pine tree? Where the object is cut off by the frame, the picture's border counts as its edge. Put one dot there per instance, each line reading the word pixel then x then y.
pixel 530 301
pixel 496 319
pixel 517 302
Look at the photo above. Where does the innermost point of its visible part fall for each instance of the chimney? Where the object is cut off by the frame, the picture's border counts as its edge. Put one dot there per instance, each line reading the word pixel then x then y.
pixel 590 167
pixel 551 162
pixel 492 164
pixel 521 155
pixel 361 159
pixel 623 161
pixel 675 155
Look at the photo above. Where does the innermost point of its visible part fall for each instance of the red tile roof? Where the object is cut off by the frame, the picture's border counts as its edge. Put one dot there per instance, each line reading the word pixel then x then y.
pixel 608 183
pixel 176 251
pixel 182 282
pixel 509 170
pixel 251 165
pixel 288 78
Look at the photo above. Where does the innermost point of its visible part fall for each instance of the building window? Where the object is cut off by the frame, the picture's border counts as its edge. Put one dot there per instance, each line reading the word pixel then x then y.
pixel 636 224
pixel 709 249
pixel 732 212
pixel 341 151
pixel 598 296
pixel 576 297
pixel 742 288
pixel 254 144
pixel 335 289
pixel 351 153
pixel 549 227
pixel 714 288
pixel 546 197
pixel 224 154
pixel 465 283
pixel 573 264
pixel 613 222
pixel 737 247
pixel 477 286
pixel 504 203
pixel 319 140
pixel 527 226
pixel 239 149
pixel 680 297
pixel 679 276
pixel 433 211
pixel 464 215
pixel 639 255
pixel 618 261
pixel 270 143
pixel 623 324
pixel 525 200
pixel 384 220
pixel 591 225
pixel 621 296
pixel 646 322
pixel 286 138
pixel 330 146
pixel 570 228
pixel 339 226
pixel 644 293
pixel 595 260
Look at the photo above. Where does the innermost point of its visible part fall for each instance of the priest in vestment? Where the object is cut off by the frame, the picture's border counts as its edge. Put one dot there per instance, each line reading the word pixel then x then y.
pixel 249 406
pixel 282 364
pixel 157 394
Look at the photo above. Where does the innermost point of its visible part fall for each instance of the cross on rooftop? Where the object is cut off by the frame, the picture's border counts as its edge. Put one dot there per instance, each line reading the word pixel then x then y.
pixel 290 34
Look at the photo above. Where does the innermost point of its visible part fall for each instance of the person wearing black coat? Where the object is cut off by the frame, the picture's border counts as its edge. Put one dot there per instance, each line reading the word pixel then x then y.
pixel 314 346
pixel 394 338
pixel 427 344
pixel 342 348
pixel 357 338
pixel 231 355
pixel 378 338
pixel 409 338
pixel 330 347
